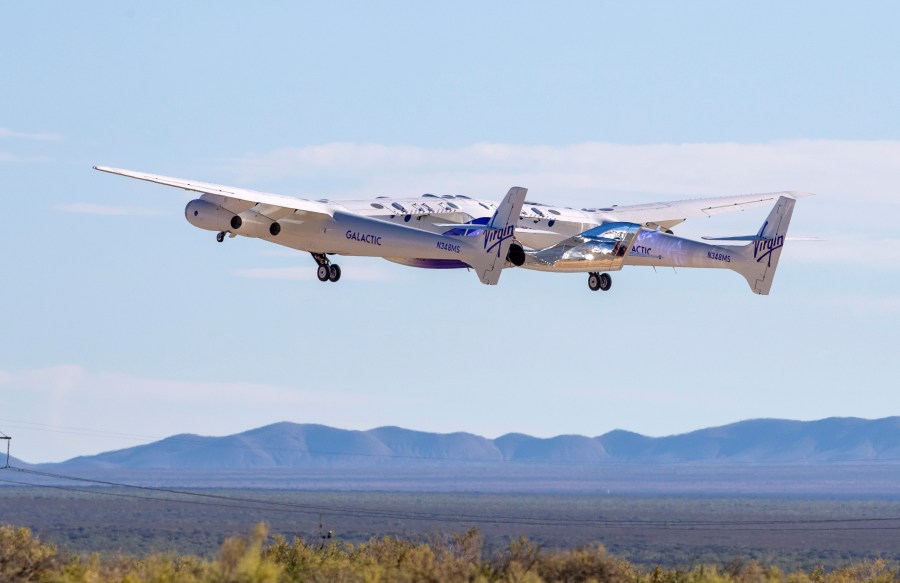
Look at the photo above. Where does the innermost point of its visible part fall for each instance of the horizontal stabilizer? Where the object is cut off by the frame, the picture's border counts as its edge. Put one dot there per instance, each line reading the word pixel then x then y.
pixel 758 238
pixel 736 238
pixel 474 227
pixel 463 226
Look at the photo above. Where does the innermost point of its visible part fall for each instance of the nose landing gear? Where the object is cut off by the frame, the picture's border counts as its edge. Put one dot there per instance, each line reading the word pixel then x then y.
pixel 327 270
pixel 601 281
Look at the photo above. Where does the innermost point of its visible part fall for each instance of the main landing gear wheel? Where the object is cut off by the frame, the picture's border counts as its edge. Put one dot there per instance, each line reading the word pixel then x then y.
pixel 327 270
pixel 220 236
pixel 605 281
pixel 599 281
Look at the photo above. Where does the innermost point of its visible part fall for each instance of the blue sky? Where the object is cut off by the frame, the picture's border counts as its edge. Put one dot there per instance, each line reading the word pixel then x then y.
pixel 124 323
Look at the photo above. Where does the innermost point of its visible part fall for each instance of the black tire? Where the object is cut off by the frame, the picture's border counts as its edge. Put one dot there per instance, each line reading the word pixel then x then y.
pixel 605 281
pixel 323 272
pixel 593 281
pixel 220 236
pixel 334 272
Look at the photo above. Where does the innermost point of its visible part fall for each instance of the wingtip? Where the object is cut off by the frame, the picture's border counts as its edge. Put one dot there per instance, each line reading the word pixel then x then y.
pixel 109 169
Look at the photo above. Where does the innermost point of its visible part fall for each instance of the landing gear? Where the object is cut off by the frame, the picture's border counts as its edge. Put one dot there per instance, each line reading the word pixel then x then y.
pixel 220 236
pixel 601 281
pixel 605 282
pixel 327 270
pixel 334 272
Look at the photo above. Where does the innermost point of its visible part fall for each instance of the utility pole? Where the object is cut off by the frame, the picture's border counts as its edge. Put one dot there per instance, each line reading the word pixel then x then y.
pixel 8 440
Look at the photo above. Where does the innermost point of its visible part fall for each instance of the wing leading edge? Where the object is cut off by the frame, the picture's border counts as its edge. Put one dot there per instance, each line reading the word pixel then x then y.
pixel 668 214
pixel 219 190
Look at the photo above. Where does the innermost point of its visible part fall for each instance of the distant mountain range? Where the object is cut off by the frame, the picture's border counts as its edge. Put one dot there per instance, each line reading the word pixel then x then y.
pixel 291 445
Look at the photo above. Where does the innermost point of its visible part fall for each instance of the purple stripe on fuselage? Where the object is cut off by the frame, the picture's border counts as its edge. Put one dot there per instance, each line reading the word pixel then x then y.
pixel 436 263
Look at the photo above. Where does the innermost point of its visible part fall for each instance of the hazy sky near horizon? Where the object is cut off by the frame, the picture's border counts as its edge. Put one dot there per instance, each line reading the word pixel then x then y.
pixel 124 324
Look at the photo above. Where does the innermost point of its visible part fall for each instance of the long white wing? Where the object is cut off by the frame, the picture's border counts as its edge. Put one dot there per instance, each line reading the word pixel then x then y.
pixel 277 200
pixel 667 214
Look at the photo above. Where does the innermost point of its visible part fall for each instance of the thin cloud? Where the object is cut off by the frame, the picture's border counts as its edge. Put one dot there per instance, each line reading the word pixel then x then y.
pixel 89 208
pixel 35 136
pixel 7 158
pixel 58 395
pixel 77 382
pixel 579 174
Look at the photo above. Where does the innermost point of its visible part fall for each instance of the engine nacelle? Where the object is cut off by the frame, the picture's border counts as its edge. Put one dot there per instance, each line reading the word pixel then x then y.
pixel 253 224
pixel 516 255
pixel 206 215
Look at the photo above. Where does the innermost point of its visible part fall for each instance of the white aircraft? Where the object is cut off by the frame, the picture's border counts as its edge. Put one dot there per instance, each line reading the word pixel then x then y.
pixel 445 232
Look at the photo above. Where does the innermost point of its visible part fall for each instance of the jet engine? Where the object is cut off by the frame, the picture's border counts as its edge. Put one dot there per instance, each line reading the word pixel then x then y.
pixel 515 255
pixel 206 215
pixel 253 224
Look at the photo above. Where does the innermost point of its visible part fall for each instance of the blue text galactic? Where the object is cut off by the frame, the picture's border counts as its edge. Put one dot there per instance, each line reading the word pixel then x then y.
pixel 364 238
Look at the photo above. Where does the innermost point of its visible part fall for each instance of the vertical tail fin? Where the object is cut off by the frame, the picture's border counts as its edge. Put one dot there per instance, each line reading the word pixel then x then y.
pixel 489 258
pixel 760 258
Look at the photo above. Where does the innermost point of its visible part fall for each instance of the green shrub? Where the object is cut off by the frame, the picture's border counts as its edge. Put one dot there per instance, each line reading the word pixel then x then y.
pixel 23 557
pixel 443 558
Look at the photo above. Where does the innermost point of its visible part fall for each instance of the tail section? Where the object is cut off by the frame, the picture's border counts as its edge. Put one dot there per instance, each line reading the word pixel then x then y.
pixel 760 258
pixel 489 258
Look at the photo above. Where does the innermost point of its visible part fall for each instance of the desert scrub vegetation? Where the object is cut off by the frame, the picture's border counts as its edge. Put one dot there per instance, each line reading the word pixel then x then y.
pixel 258 558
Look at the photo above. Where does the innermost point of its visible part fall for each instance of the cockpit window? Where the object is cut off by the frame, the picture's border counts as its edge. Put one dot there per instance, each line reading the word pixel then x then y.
pixel 376 205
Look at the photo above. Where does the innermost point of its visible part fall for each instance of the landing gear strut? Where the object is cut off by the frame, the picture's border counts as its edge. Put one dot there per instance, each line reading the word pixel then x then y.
pixel 600 281
pixel 327 270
